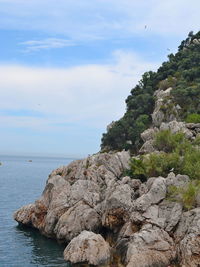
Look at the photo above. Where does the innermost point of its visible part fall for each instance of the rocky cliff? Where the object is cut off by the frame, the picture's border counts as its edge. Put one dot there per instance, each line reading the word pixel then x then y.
pixel 99 208
pixel 108 219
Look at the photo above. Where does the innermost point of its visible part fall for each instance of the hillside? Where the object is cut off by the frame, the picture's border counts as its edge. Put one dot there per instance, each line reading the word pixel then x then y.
pixel 117 208
pixel 182 73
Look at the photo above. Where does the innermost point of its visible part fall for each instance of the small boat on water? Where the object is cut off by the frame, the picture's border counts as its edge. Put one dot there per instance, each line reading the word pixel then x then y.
pixel 30 160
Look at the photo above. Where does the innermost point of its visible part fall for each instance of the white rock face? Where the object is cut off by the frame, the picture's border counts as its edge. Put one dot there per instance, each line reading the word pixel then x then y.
pixel 149 134
pixel 165 108
pixel 88 248
pixel 175 127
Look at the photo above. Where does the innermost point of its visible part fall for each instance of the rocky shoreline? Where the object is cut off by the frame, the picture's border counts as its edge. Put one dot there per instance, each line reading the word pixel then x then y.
pixel 108 219
pixel 135 219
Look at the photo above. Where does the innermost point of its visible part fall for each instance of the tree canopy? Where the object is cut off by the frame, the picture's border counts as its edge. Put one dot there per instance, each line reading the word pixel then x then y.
pixel 182 73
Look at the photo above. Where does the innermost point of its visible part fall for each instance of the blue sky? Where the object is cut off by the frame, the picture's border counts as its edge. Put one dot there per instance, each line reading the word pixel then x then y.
pixel 67 66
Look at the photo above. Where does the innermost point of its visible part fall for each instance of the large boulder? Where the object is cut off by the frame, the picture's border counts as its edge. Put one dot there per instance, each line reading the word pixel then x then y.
pixel 116 206
pixel 150 247
pixel 155 194
pixel 187 237
pixel 175 127
pixel 74 192
pixel 165 109
pixel 24 215
pixel 88 248
pixel 78 218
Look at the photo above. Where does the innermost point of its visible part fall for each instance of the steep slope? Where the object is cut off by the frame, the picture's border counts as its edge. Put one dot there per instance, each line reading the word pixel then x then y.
pixel 182 73
pixel 114 209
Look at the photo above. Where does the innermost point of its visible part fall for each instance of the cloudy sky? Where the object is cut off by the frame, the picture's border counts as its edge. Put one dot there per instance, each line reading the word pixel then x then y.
pixel 67 66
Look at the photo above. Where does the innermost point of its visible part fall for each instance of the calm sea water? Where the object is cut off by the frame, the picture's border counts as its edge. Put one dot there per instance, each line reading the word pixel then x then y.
pixel 21 183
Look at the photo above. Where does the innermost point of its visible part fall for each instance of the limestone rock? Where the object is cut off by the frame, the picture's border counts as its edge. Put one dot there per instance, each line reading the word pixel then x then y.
pixel 175 127
pixel 116 206
pixel 88 248
pixel 71 190
pixel 170 212
pixel 177 180
pixel 188 238
pixel 165 108
pixel 156 193
pixel 149 134
pixel 24 214
pixel 150 247
pixel 78 218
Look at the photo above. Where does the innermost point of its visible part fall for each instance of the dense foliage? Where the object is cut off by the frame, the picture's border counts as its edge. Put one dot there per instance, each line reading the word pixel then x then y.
pixel 186 195
pixel 175 153
pixel 182 73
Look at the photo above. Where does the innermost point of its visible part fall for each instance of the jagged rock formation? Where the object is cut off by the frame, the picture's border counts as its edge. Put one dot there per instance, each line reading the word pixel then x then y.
pixel 166 118
pixel 141 225
pixel 89 204
pixel 105 217
pixel 88 247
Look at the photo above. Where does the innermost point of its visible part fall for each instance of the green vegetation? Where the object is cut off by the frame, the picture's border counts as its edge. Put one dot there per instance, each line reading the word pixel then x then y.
pixel 193 118
pixel 186 195
pixel 182 73
pixel 167 142
pixel 175 153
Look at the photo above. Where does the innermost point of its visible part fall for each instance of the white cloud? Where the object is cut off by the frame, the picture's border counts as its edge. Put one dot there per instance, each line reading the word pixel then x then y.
pixel 88 20
pixel 48 43
pixel 91 95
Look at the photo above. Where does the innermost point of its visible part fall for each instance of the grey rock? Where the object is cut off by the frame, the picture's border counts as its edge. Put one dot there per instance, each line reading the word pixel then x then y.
pixel 24 214
pixel 116 206
pixel 147 147
pixel 175 127
pixel 88 248
pixel 170 212
pixel 156 193
pixel 165 108
pixel 78 218
pixel 149 134
pixel 177 180
pixel 88 191
pixel 150 247
pixel 188 238
pixel 163 93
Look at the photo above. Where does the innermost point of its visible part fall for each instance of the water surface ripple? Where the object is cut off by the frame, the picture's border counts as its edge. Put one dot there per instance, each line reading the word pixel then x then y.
pixel 21 183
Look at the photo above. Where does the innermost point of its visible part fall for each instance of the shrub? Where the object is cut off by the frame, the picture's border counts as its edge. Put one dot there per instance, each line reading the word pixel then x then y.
pixel 160 164
pixel 185 195
pixel 193 118
pixel 166 141
pixel 191 163
pixel 137 169
pixel 196 142
pixel 168 82
pixel 177 155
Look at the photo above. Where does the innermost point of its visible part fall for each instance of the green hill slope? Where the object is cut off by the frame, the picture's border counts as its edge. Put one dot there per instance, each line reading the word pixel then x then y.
pixel 182 73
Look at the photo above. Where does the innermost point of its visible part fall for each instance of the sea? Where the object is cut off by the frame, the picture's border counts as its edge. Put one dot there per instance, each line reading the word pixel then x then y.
pixel 22 180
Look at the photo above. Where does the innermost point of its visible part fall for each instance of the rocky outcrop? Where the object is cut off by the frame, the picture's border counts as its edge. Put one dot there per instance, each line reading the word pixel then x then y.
pixel 88 248
pixel 188 238
pixel 90 199
pixel 165 108
pixel 108 219
pixel 150 247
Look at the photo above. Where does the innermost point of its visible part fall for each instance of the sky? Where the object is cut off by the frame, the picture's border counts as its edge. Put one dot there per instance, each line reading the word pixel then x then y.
pixel 66 67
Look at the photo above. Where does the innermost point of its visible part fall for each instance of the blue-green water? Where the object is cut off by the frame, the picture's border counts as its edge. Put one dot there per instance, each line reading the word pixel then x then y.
pixel 21 183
